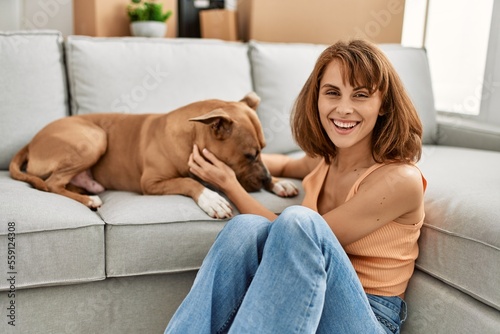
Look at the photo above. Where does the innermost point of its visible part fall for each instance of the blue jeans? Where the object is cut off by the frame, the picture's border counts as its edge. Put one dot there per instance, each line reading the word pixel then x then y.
pixel 288 276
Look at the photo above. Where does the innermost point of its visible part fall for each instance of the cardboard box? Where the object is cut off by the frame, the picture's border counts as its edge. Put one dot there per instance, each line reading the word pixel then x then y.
pixel 219 24
pixel 326 21
pixel 109 18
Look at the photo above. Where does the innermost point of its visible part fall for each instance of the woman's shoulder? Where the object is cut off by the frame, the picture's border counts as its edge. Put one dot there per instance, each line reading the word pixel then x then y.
pixel 403 178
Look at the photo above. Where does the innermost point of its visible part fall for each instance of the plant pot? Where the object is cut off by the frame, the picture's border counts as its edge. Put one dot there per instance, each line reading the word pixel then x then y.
pixel 148 29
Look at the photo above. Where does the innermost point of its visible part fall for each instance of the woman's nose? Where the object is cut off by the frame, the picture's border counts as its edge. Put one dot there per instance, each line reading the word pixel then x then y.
pixel 345 107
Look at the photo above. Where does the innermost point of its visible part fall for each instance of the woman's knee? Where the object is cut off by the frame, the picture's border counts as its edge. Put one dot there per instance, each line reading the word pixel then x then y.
pixel 243 229
pixel 299 215
pixel 302 219
pixel 302 212
pixel 246 223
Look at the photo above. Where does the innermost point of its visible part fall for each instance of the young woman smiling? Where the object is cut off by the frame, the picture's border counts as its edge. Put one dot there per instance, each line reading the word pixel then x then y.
pixel 341 262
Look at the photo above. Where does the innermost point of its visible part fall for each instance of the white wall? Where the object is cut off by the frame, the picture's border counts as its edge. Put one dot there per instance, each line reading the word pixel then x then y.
pixel 10 14
pixel 490 106
pixel 37 14
pixel 414 23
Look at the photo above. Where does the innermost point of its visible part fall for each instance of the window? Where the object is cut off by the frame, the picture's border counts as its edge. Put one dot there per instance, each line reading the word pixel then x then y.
pixel 456 35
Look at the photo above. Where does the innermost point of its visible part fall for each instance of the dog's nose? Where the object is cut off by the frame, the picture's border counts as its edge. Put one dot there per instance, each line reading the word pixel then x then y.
pixel 256 177
pixel 256 182
pixel 267 178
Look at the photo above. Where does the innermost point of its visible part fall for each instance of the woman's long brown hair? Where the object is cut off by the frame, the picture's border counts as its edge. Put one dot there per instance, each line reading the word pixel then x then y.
pixel 397 135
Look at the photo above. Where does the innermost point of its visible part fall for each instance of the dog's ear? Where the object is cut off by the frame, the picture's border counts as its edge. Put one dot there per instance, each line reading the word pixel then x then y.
pixel 220 123
pixel 252 100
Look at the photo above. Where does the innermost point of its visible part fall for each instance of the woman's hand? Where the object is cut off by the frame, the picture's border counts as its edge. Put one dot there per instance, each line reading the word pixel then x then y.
pixel 210 169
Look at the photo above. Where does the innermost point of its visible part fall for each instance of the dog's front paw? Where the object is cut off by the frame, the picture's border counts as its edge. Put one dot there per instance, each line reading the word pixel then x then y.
pixel 285 188
pixel 214 204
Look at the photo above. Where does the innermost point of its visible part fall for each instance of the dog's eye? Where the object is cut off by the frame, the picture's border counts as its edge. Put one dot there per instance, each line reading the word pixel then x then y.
pixel 251 157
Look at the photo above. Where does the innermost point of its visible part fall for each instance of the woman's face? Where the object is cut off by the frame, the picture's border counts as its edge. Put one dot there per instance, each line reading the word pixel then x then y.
pixel 348 114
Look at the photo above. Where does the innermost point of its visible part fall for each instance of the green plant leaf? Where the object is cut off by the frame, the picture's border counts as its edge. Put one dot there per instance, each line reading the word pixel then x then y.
pixel 147 11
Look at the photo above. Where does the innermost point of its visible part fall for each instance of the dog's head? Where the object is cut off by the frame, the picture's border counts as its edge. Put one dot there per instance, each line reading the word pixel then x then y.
pixel 236 137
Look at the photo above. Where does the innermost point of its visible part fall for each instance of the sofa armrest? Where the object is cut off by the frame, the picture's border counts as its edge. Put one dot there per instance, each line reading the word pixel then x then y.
pixel 464 132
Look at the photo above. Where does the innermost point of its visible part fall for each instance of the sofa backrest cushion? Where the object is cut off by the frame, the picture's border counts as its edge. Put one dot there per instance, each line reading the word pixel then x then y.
pixel 280 69
pixel 141 75
pixel 413 69
pixel 32 87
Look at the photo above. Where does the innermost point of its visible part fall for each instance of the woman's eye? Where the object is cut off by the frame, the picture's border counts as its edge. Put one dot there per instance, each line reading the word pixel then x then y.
pixel 361 95
pixel 333 93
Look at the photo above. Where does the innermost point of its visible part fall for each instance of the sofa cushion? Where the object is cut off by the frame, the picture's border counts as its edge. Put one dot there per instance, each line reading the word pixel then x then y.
pixel 163 234
pixel 460 240
pixel 141 75
pixel 413 68
pixel 457 130
pixel 33 86
pixel 280 70
pixel 56 240
pixel 436 307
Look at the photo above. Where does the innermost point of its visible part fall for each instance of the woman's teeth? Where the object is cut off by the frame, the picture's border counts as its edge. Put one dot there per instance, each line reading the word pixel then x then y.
pixel 344 125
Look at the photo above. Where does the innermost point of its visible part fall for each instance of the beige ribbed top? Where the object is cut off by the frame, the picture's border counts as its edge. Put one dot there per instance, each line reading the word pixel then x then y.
pixel 384 260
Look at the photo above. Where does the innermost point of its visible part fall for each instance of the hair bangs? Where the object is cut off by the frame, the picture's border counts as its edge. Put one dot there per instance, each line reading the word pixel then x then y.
pixel 359 69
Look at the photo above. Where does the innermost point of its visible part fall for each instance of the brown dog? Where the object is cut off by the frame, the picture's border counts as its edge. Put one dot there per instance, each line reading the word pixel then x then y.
pixel 148 153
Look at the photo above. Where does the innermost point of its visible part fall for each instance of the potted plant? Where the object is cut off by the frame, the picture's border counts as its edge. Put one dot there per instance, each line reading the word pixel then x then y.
pixel 147 18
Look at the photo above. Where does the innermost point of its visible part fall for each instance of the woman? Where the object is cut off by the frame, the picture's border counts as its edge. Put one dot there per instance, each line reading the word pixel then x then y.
pixel 341 262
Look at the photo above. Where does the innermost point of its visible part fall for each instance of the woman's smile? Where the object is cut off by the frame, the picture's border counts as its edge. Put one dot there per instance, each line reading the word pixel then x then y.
pixel 345 127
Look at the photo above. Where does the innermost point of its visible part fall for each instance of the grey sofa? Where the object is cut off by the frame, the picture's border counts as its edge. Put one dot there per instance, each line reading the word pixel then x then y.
pixel 126 267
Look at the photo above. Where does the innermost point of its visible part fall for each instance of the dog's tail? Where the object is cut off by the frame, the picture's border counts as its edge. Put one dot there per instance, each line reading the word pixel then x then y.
pixel 16 173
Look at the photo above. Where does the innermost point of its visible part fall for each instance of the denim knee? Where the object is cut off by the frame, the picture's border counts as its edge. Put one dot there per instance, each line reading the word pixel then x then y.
pixel 243 231
pixel 302 218
pixel 245 224
pixel 300 212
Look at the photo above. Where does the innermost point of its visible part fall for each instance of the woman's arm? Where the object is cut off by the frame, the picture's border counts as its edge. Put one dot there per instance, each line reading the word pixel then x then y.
pixel 217 173
pixel 280 165
pixel 392 193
